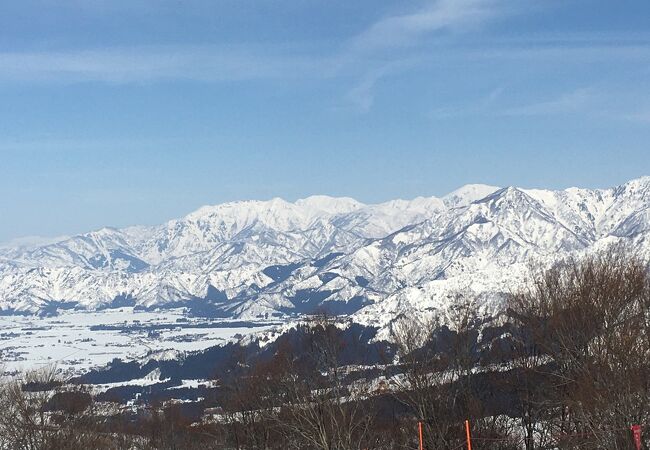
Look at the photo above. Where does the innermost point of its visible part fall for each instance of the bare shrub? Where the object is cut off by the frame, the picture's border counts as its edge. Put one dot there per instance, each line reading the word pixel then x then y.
pixel 589 319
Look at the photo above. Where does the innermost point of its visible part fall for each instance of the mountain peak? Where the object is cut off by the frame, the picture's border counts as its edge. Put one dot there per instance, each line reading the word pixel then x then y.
pixel 641 182
pixel 467 194
pixel 243 205
pixel 509 192
pixel 330 205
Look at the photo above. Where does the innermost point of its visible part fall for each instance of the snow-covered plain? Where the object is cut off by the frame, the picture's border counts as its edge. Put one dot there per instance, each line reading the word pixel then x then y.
pixel 77 341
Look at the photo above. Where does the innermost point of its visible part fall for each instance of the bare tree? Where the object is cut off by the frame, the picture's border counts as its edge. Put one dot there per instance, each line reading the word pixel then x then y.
pixel 38 413
pixel 317 409
pixel 589 319
pixel 435 365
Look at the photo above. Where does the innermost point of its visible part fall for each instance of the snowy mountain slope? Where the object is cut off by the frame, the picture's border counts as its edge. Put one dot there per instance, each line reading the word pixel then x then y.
pixel 467 194
pixel 252 258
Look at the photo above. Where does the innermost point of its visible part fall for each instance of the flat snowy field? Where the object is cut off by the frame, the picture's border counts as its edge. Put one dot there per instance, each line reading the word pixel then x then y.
pixel 78 341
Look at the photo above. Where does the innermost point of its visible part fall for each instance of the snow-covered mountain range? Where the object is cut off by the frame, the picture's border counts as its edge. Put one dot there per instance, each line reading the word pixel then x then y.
pixel 258 258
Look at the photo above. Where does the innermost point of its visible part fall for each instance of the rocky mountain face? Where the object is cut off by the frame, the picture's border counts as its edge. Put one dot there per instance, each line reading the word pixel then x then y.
pixel 259 258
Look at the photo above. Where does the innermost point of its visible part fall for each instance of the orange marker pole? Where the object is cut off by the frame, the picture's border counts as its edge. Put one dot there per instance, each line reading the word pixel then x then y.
pixel 420 433
pixel 469 437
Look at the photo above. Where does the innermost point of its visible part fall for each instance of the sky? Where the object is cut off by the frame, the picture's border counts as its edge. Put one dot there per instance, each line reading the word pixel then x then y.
pixel 121 112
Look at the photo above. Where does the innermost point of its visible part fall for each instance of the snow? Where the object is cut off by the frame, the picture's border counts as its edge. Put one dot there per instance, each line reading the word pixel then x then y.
pixel 413 254
pixel 467 194
pixel 328 205
pixel 73 343
pixel 31 242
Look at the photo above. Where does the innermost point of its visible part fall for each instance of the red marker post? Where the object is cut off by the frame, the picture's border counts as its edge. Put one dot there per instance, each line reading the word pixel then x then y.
pixel 636 434
pixel 469 435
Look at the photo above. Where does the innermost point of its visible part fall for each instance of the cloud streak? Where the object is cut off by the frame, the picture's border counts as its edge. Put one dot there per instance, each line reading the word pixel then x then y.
pixel 480 107
pixel 587 102
pixel 389 46
pixel 642 116
pixel 392 34
pixel 362 95
pixel 141 64
pixel 407 29
pixel 246 62
pixel 571 102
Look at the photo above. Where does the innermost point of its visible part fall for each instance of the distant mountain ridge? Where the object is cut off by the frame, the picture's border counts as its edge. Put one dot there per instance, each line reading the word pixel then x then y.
pixel 255 258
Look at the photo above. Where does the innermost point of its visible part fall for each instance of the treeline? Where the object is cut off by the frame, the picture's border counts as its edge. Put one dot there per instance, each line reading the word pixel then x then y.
pixel 567 366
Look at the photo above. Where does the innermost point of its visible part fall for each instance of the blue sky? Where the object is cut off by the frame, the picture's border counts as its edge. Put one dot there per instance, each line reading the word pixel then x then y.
pixel 133 112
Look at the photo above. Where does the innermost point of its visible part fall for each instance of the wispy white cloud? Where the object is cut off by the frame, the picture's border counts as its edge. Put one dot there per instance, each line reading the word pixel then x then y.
pixel 394 32
pixel 406 29
pixel 570 102
pixel 362 95
pixel 249 61
pixel 640 116
pixel 479 107
pixel 589 102
pixel 375 53
pixel 141 64
pixel 100 7
pixel 568 53
pixel 576 101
